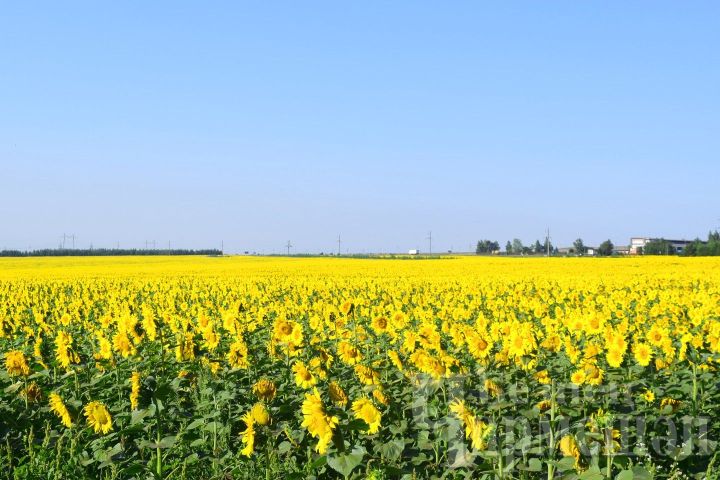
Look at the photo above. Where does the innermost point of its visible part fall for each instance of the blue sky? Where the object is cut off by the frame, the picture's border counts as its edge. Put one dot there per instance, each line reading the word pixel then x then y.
pixel 257 122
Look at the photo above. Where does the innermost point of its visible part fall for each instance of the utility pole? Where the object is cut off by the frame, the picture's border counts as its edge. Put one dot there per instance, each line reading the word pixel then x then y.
pixel 289 246
pixel 222 246
pixel 339 243
pixel 429 238
pixel 547 241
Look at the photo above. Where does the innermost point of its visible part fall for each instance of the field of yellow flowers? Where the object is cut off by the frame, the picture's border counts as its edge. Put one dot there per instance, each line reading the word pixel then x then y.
pixel 235 367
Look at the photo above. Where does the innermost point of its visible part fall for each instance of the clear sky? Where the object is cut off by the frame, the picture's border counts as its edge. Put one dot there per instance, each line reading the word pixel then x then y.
pixel 255 123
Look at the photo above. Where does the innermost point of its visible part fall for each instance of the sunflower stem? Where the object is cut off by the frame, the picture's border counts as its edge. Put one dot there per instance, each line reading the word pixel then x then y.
pixel 158 438
pixel 551 467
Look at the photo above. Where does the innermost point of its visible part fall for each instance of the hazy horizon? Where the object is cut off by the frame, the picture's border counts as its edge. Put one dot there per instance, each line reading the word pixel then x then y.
pixel 255 124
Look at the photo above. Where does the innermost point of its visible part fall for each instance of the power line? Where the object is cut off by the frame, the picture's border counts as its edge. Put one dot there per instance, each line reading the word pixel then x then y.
pixel 429 238
pixel 288 246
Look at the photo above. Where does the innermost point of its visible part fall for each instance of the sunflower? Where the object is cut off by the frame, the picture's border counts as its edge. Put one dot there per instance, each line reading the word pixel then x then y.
pixel 367 375
pixel 123 345
pixel 614 357
pixel 380 396
pixel 569 448
pixel 134 390
pixel 649 396
pixel 260 414
pixel 58 408
pixel 395 359
pixel 492 388
pixel 63 349
pixel 476 430
pixel 347 308
pixel 98 417
pixel 479 432
pixel 643 354
pixel 248 435
pixel 303 376
pixel 380 324
pixel 594 375
pixel 348 353
pixel 578 377
pixel 32 393
pixel 363 409
pixel 656 335
pixel 287 332
pixel 478 346
pixel 237 356
pixel 265 389
pixel 16 364
pixel 337 394
pixel 542 377
pixel 319 424
pixel 670 402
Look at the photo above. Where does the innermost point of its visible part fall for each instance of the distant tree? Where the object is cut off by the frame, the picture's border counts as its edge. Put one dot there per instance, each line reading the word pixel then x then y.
pixel 486 246
pixel 606 248
pixel 517 246
pixel 658 247
pixel 693 248
pixel 538 248
pixel 714 236
pixel 527 250
pixel 546 247
pixel 579 246
pixel 508 247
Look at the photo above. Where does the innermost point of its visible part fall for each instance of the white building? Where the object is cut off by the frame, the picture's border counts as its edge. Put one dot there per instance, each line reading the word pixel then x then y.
pixel 413 251
pixel 637 244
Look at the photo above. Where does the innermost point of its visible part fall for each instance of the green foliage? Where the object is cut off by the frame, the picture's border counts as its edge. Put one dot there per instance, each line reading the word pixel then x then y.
pixel 704 249
pixel 579 246
pixel 658 247
pixel 606 248
pixel 487 246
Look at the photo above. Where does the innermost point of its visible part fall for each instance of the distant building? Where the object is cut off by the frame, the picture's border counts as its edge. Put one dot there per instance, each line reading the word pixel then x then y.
pixel 622 250
pixel 589 251
pixel 414 251
pixel 637 244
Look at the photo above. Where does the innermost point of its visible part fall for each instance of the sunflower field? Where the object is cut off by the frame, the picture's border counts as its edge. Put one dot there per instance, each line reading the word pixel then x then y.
pixel 251 367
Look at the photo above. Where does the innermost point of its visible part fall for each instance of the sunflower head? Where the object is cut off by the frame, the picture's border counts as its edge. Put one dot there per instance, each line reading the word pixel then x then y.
pixel 98 417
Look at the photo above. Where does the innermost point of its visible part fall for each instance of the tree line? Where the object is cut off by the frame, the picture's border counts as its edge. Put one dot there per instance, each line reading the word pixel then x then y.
pixel 516 247
pixel 105 252
pixel 697 248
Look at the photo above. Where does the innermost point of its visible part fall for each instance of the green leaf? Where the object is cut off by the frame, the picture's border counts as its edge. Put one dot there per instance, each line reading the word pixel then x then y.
pixel 639 473
pixel 625 475
pixel 320 462
pixel 195 423
pixel 592 474
pixel 391 450
pixel 534 465
pixel 168 442
pixel 567 463
pixel 344 464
